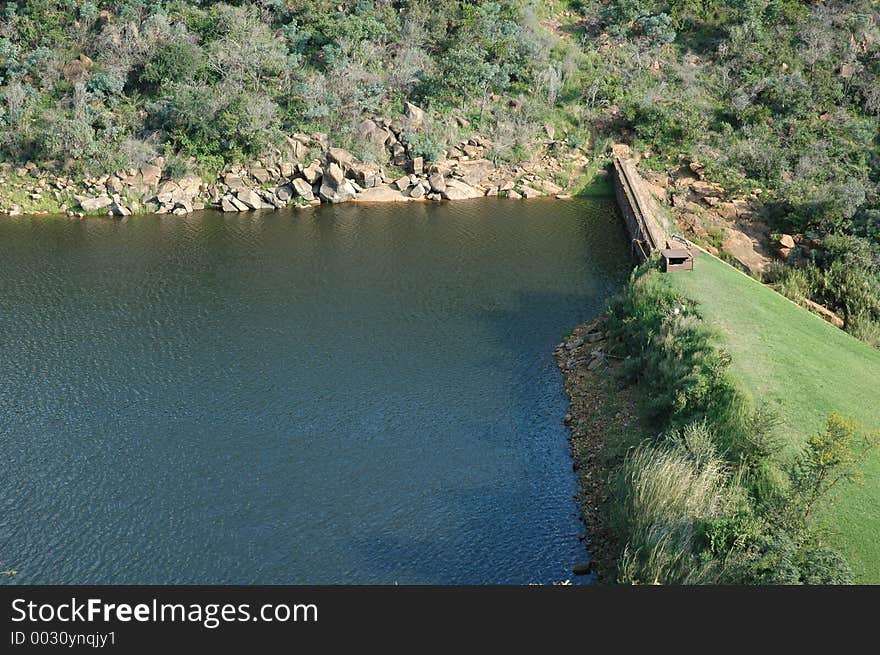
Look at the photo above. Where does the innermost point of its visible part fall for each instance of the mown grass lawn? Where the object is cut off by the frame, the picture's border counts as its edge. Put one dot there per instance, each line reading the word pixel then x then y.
pixel 804 368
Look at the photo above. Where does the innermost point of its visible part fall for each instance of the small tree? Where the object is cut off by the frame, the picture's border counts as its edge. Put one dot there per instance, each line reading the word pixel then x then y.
pixel 827 460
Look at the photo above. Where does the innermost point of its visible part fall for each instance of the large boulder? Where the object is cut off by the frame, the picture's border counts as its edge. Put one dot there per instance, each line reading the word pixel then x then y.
pixel 341 157
pixel 437 182
pixel 706 189
pixel 74 71
pixel 117 208
pixel 233 181
pixel 150 175
pixel 297 146
pixel 529 192
pixel 284 192
pixel 260 174
pixel 342 192
pixel 191 185
pixel 252 199
pixel 228 205
pixel 458 190
pixel 303 189
pixel 415 116
pixel 474 172
pixel 787 241
pixel 272 200
pixel 238 204
pixel 376 135
pixel 95 204
pixel 182 198
pixel 334 176
pixel 313 172
pixel 383 193
pixel 550 188
pixel 367 175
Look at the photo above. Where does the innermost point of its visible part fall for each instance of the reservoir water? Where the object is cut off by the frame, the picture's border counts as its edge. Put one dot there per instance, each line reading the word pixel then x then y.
pixel 349 394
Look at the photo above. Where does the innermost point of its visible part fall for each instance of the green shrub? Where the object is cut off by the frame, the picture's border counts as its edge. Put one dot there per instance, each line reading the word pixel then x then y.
pixel 670 350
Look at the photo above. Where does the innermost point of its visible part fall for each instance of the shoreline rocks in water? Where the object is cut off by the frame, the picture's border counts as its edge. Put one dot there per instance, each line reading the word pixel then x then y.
pixel 309 171
pixel 596 410
pixel 306 173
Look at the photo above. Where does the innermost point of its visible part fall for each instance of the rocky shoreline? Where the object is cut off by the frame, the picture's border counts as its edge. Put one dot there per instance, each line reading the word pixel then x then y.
pixel 598 410
pixel 307 172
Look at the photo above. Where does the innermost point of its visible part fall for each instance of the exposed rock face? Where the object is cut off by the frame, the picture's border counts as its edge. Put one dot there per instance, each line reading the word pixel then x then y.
pixel 458 190
pixel 275 180
pixel 745 249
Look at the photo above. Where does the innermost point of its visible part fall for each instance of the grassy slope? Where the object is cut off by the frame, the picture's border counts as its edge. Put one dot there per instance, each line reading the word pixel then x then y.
pixel 804 368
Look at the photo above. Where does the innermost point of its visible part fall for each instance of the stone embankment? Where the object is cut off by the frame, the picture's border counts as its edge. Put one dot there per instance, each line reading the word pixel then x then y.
pixel 307 172
pixel 640 213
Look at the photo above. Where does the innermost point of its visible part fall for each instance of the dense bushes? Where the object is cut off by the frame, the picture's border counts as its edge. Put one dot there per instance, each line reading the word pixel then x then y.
pixel 844 275
pixel 225 80
pixel 711 499
pixel 670 351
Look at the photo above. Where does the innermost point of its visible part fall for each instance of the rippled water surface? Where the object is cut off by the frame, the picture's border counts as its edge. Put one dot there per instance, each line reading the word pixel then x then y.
pixel 349 394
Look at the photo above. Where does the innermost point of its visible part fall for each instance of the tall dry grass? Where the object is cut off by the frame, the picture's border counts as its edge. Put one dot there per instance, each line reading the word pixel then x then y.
pixel 664 493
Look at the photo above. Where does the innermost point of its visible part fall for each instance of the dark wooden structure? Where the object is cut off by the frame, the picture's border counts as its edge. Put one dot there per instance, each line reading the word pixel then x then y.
pixel 677 259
